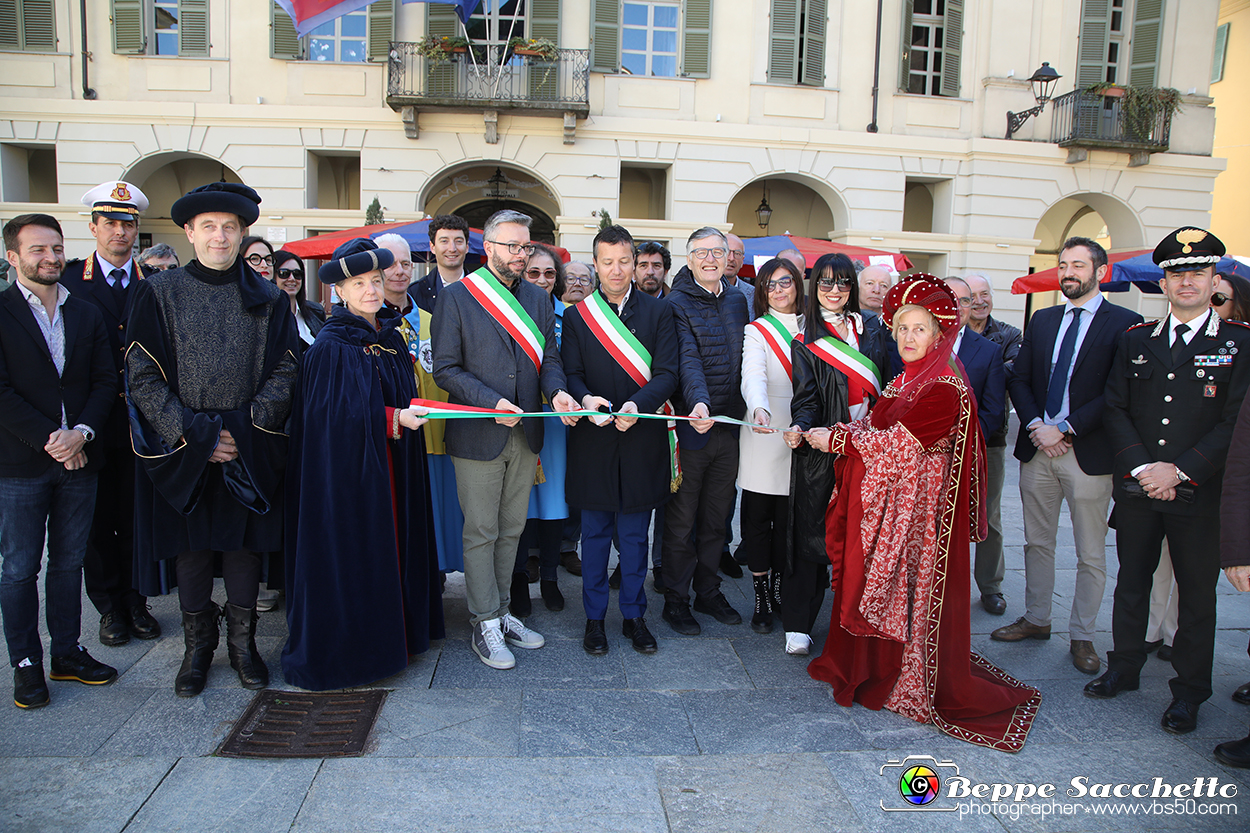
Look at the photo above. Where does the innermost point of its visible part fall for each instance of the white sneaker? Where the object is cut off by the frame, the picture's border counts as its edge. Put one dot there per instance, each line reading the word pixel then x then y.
pixel 487 642
pixel 517 634
pixel 798 644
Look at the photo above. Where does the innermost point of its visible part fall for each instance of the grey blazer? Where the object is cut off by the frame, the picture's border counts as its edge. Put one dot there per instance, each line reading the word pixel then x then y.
pixel 478 363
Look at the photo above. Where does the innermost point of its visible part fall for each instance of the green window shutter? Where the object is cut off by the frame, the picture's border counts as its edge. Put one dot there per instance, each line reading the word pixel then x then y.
pixel 952 44
pixel 27 25
pixel 696 47
pixel 1221 49
pixel 1147 28
pixel 381 29
pixel 284 41
pixel 544 18
pixel 1091 60
pixel 441 21
pixel 128 37
pixel 193 28
pixel 605 35
pixel 783 41
pixel 544 76
pixel 904 68
pixel 815 22
pixel 9 36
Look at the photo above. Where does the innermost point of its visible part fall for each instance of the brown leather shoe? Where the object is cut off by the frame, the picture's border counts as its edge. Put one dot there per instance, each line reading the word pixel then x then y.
pixel 1084 657
pixel 1021 629
pixel 571 563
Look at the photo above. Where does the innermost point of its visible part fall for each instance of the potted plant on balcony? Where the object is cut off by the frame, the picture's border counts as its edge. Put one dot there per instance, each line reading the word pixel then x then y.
pixel 534 48
pixel 440 49
pixel 1143 108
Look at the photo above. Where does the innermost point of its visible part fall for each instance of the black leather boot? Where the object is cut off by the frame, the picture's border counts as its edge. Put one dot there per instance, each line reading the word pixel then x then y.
pixel 762 619
pixel 199 632
pixel 241 646
pixel 774 584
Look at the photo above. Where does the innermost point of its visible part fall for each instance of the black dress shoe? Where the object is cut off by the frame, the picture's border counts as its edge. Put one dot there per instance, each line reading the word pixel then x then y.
pixel 595 641
pixel 1234 753
pixel 994 604
pixel 114 629
pixel 636 630
pixel 614 580
pixel 1242 695
pixel 552 597
pixel 80 667
pixel 520 603
pixel 718 608
pixel 1151 647
pixel 1181 718
pixel 728 566
pixel 142 624
pixel 30 690
pixel 1165 653
pixel 677 614
pixel 1111 684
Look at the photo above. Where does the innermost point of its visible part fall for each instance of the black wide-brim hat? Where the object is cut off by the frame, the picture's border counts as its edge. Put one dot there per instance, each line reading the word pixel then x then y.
pixel 1187 249
pixel 355 257
pixel 224 197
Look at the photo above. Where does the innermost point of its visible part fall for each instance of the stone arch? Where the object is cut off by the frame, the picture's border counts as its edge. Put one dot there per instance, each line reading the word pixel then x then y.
pixel 463 187
pixel 801 205
pixel 164 177
pixel 1073 213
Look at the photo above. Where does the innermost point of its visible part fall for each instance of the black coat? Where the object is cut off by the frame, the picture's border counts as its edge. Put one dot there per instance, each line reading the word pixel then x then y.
pixel 31 394
pixel 611 471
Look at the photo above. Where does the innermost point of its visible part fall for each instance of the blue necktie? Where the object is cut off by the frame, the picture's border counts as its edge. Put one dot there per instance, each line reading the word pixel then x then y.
pixel 1059 376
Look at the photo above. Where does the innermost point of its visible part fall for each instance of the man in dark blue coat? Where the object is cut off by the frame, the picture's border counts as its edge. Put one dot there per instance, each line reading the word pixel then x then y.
pixel 710 319
pixel 620 353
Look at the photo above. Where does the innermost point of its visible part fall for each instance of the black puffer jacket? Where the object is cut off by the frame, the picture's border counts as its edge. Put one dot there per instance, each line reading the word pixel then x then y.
pixel 709 336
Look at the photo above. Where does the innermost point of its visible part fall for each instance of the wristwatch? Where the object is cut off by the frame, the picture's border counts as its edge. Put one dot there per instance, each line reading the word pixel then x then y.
pixel 1181 476
pixel 87 434
pixel 1066 430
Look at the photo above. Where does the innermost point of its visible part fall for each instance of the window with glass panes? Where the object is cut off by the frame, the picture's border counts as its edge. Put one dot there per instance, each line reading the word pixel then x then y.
pixel 166 27
pixel 1115 40
pixel 509 23
pixel 343 40
pixel 649 38
pixel 925 73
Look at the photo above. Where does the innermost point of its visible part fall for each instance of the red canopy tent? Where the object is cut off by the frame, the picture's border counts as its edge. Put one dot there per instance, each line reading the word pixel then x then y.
pixel 1048 279
pixel 416 232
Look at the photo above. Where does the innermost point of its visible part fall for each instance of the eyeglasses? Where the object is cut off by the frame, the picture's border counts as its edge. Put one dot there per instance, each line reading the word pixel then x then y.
pixel 965 302
pixel 704 254
pixel 516 248
pixel 257 260
pixel 535 274
pixel 1219 299
pixel 284 274
pixel 738 253
pixel 579 279
pixel 780 283
pixel 827 284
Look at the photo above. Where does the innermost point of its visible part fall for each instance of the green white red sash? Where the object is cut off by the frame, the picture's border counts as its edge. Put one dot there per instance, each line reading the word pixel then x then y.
pixel 508 313
pixel 850 361
pixel 778 338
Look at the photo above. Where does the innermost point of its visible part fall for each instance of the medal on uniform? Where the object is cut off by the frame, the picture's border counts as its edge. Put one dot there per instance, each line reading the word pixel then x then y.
pixel 1208 391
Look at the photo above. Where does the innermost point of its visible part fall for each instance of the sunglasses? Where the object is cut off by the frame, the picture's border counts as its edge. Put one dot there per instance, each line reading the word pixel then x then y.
pixel 535 274
pixel 298 274
pixel 827 284
pixel 780 283
pixel 1219 299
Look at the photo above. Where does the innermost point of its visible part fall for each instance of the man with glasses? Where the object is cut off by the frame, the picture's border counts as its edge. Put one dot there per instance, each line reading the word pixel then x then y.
pixel 107 278
pixel 710 318
pixel 495 347
pixel 579 281
pixel 449 242
pixel 158 258
pixel 651 269
pixel 734 259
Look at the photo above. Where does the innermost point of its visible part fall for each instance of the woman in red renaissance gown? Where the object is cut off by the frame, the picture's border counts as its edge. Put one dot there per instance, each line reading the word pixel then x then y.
pixel 909 500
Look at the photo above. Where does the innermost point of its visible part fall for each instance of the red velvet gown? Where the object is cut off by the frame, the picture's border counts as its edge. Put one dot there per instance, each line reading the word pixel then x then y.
pixel 898 531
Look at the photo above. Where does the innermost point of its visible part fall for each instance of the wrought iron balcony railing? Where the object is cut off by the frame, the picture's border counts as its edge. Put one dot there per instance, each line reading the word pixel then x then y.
pixel 1086 120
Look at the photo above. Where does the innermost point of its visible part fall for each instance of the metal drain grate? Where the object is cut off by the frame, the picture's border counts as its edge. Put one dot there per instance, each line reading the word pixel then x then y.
pixel 296 724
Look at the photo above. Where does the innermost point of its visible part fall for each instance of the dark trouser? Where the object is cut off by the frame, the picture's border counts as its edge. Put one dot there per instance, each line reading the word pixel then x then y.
pixel 729 522
pixel 546 536
pixel 598 529
pixel 1194 543
pixel 657 540
pixel 55 506
pixel 802 594
pixel 107 567
pixel 702 503
pixel 240 570
pixel 988 565
pixel 764 530
pixel 572 529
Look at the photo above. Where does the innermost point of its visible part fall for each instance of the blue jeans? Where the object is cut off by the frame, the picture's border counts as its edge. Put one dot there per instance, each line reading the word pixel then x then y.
pixel 57 506
pixel 597 532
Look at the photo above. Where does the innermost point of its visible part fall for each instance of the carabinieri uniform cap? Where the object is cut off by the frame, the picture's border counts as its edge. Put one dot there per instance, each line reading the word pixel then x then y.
pixel 1188 249
pixel 217 197
pixel 116 200
pixel 355 257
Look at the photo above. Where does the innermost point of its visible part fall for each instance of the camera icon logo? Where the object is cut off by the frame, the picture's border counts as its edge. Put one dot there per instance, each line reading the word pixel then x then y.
pixel 918 783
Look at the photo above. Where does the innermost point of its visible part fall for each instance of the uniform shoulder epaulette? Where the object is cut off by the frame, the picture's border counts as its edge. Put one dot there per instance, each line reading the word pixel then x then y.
pixel 1144 324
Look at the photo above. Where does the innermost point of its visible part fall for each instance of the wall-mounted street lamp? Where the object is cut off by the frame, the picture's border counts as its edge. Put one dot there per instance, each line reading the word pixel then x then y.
pixel 498 189
pixel 1043 82
pixel 765 212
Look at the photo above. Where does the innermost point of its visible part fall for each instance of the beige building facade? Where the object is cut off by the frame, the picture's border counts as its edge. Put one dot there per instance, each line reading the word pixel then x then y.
pixel 669 114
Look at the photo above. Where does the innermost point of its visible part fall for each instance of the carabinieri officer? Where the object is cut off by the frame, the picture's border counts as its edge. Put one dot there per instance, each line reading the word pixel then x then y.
pixel 1172 400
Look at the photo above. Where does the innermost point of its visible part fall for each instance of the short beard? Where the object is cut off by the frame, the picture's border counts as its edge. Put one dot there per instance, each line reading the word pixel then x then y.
pixel 1081 291
pixel 649 285
pixel 500 266
pixel 32 275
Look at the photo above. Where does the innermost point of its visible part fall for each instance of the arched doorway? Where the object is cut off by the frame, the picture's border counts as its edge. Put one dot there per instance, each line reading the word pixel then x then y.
pixel 477 190
pixel 542 229
pixel 164 178
pixel 800 206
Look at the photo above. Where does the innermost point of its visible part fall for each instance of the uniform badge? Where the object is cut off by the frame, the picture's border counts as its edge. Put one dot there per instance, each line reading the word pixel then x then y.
pixel 121 193
pixel 1140 359
pixel 1201 373
pixel 1208 391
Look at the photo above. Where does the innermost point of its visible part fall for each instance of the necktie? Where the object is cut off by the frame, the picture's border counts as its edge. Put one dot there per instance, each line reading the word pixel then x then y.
pixel 119 291
pixel 1059 376
pixel 1178 344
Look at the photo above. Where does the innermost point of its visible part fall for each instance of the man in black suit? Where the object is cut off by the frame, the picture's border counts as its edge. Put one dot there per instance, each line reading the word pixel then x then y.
pixel 449 243
pixel 983 362
pixel 1172 402
pixel 1057 384
pixel 57 385
pixel 106 278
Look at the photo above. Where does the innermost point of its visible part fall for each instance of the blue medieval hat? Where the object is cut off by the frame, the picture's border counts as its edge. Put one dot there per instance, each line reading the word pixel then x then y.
pixel 355 257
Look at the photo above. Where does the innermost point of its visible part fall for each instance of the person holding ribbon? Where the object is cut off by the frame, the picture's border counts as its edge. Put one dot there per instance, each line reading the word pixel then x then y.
pixel 910 496
pixel 620 354
pixel 838 367
pixel 359 525
pixel 764 467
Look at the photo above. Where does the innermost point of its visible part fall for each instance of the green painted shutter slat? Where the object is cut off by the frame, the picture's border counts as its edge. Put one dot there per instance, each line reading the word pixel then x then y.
pixel 1221 49
pixel 904 67
pixel 605 35
pixel 381 29
pixel 544 76
pixel 696 48
pixel 128 36
pixel 815 23
pixel 441 21
pixel 9 36
pixel 783 41
pixel 193 28
pixel 38 30
pixel 1091 60
pixel 284 43
pixel 1147 27
pixel 952 46
pixel 544 18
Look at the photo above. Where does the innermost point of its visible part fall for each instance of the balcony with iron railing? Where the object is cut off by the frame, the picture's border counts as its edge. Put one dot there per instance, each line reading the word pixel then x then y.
pixel 489 79
pixel 1084 119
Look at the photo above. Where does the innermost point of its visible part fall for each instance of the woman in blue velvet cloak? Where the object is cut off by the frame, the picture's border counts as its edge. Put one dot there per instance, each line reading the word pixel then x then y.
pixel 362 569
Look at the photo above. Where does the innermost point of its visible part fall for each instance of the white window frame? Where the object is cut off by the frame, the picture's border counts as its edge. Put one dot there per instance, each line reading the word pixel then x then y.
pixel 649 53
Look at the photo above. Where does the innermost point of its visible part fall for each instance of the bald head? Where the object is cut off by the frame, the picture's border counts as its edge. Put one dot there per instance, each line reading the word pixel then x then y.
pixel 735 257
pixel 982 301
pixel 874 282
pixel 795 257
